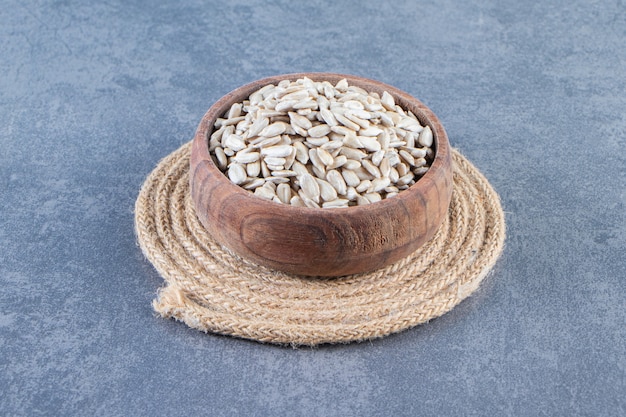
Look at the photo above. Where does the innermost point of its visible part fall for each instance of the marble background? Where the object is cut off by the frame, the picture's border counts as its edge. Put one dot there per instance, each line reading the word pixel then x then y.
pixel 93 94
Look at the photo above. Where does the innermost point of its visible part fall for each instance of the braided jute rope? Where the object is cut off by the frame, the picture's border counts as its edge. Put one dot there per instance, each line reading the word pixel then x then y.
pixel 213 290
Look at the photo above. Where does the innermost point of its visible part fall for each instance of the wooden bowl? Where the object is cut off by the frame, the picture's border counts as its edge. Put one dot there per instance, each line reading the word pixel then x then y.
pixel 312 241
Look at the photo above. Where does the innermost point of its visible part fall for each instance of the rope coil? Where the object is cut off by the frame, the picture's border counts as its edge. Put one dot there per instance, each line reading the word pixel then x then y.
pixel 210 289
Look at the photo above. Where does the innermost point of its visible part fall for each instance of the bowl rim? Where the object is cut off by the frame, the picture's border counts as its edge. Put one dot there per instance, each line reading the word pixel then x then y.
pixel 442 158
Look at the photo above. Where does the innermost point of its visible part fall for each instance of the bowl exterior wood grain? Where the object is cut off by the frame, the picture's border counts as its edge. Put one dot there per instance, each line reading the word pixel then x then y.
pixel 320 242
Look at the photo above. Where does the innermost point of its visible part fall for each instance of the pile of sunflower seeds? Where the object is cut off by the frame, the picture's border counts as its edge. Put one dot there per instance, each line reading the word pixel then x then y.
pixel 312 144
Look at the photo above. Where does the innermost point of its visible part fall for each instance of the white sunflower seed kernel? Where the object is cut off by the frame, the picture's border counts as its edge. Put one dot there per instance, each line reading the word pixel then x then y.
pixel 364 186
pixel 258 126
pixel 253 169
pixel 309 187
pixel 265 171
pixel 362 123
pixel 265 193
pixel 373 197
pixel 283 191
pixel 352 153
pixel 319 131
pixel 338 161
pixel 243 157
pixel 407 157
pixel 254 183
pixel 387 101
pixel 371 144
pixel 393 175
pixel 419 162
pixel 262 142
pixel 299 168
pixel 237 173
pixel 346 122
pixel 402 168
pixel 317 142
pixel 336 180
pixel 363 174
pixel 351 193
pixel 327 191
pixel 372 131
pixel 351 164
pixel 315 159
pixel 296 201
pixel 405 179
pixel 420 171
pixel 299 121
pixel 426 137
pixel 342 85
pixel 275 161
pixel 234 142
pixel 380 184
pixel 297 95
pixel 325 157
pixel 220 156
pixel 278 151
pixel 332 145
pixel 385 167
pixel 418 152
pixel 307 201
pixel 273 168
pixel 282 173
pixel 302 152
pixel 328 117
pixel 371 168
pixel 350 178
pixel 317 172
pixel 274 129
pixel 337 203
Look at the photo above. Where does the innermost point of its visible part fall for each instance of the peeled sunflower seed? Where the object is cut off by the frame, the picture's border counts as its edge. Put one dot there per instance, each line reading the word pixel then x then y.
pixel 338 202
pixel 426 137
pixel 258 126
pixel 319 131
pixel 380 183
pixel 371 168
pixel 325 157
pixel 373 197
pixel 350 178
pixel 337 181
pixel 317 142
pixel 264 192
pixel 351 193
pixel 300 121
pixel 274 129
pixel 351 153
pixel 327 191
pixel 254 183
pixel 234 142
pixel 222 159
pixel 237 173
pixel 283 191
pixel 253 169
pixel 246 157
pixel 278 151
pixel 310 187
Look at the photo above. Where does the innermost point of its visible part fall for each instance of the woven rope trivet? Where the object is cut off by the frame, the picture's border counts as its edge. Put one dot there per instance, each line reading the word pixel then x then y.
pixel 212 290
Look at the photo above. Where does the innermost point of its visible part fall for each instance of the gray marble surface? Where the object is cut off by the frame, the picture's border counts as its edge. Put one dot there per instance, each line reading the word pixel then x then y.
pixel 93 94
